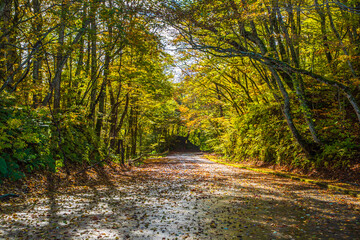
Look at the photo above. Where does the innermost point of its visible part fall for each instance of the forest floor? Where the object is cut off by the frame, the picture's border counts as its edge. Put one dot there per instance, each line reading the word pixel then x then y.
pixel 182 196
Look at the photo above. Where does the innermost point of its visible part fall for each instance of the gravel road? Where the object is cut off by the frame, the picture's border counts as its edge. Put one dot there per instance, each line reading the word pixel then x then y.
pixel 185 196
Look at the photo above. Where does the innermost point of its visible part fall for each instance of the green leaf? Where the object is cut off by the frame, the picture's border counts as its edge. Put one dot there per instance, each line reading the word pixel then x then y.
pixel 3 167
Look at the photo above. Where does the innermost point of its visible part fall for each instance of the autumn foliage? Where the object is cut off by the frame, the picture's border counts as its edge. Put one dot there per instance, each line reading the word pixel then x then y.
pixel 87 82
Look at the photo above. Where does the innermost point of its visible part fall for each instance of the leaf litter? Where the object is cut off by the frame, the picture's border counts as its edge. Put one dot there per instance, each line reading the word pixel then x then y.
pixel 182 196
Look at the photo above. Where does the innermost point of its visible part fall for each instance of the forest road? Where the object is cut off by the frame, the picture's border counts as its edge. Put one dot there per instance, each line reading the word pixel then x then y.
pixel 184 196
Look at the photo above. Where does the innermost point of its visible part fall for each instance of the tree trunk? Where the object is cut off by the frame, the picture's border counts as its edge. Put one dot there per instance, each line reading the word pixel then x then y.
pixel 93 69
pixel 63 62
pixel 134 132
pixel 221 112
pixel 38 57
pixel 288 116
pixel 5 15
pixel 102 96
pixel 321 13
pixel 59 58
pixel 296 78
pixel 343 47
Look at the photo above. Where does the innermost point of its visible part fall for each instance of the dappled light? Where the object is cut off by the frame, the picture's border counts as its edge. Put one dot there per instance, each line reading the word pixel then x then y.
pixel 179 119
pixel 186 196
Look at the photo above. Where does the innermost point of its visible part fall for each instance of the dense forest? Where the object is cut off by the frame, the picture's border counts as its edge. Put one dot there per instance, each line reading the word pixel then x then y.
pixel 86 82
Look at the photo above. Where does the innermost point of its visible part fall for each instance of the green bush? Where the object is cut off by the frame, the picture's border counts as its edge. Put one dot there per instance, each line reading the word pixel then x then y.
pixel 260 134
pixel 24 140
pixel 337 154
pixel 29 141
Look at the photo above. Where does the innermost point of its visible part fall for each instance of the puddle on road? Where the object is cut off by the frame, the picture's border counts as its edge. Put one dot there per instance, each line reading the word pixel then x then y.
pixel 187 197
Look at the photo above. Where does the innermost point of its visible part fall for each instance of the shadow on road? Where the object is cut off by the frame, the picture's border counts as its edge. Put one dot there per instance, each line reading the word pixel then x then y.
pixel 185 196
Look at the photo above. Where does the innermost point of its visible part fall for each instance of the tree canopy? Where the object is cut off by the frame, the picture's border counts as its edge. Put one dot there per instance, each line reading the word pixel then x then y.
pixel 86 82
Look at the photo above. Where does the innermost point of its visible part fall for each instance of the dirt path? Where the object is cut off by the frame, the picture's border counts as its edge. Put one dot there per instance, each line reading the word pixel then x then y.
pixel 186 197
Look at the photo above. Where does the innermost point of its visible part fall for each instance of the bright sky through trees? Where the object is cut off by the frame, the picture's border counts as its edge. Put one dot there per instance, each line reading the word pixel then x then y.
pixel 276 81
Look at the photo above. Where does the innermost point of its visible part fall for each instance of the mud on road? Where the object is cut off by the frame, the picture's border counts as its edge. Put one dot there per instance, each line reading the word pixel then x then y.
pixel 185 196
